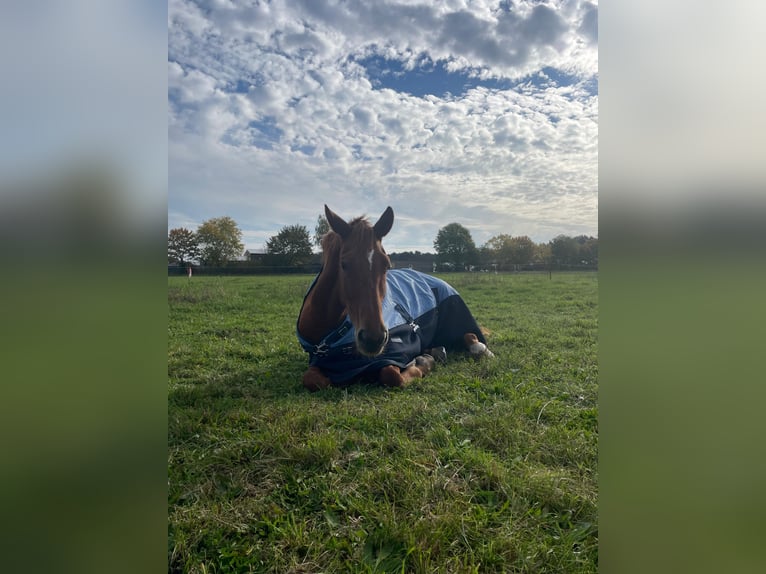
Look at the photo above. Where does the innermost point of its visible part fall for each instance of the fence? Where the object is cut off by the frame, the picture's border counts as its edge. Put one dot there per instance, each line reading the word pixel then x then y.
pixel 314 268
pixel 311 269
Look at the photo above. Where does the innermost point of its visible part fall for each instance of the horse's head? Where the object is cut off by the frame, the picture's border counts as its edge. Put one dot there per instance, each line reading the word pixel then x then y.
pixel 362 270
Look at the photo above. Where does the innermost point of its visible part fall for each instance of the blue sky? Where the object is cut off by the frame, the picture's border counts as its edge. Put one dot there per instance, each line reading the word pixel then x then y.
pixel 481 113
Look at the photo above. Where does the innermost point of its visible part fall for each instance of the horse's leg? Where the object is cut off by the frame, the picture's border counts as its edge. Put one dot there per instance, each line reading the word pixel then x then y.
pixel 476 347
pixel 393 376
pixel 314 380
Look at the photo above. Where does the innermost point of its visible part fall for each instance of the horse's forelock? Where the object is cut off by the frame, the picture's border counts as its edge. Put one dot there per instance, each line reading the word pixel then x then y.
pixel 362 234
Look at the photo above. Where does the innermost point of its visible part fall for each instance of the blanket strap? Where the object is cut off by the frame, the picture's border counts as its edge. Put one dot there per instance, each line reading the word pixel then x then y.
pixel 323 348
pixel 406 316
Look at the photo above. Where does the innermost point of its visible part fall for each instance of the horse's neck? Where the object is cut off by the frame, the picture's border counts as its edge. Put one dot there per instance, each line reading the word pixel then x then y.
pixel 323 309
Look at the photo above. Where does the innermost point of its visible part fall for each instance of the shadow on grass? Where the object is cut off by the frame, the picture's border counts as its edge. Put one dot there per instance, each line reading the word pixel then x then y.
pixel 276 379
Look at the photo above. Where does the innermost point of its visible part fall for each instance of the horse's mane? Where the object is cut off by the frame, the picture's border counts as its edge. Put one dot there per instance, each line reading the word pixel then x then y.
pixel 330 246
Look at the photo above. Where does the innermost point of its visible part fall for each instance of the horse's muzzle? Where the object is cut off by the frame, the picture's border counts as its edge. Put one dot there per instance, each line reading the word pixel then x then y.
pixel 371 344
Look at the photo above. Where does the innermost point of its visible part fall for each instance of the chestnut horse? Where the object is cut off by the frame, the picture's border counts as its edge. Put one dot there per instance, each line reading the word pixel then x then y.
pixel 361 318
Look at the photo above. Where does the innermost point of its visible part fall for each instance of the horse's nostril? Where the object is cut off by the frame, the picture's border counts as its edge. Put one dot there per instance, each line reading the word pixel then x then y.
pixel 372 343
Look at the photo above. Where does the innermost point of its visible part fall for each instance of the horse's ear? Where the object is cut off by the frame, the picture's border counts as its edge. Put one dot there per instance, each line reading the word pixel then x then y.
pixel 337 223
pixel 384 224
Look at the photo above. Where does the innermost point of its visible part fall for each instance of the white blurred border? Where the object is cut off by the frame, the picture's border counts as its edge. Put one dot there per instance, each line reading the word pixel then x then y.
pixel 84 86
pixel 681 113
pixel 682 230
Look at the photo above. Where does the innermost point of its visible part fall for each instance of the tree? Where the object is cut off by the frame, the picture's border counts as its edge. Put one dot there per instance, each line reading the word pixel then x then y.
pixel 587 249
pixel 487 257
pixel 564 249
pixel 542 254
pixel 321 228
pixel 507 250
pixel 522 250
pixel 454 245
pixel 220 241
pixel 292 245
pixel 183 246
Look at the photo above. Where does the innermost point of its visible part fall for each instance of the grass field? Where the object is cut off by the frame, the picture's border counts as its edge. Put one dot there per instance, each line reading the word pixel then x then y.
pixel 480 467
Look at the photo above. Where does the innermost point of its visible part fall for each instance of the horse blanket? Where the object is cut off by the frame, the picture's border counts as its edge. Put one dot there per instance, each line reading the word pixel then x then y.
pixel 420 312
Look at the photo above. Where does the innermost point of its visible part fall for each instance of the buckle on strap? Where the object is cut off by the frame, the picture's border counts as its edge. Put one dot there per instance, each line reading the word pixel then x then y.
pixel 321 349
pixel 343 330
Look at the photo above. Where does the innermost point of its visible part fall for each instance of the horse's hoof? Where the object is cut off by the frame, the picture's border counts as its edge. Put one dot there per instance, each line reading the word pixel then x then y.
pixel 438 353
pixel 476 347
pixel 315 386
pixel 425 363
pixel 313 380
pixel 479 350
pixel 391 377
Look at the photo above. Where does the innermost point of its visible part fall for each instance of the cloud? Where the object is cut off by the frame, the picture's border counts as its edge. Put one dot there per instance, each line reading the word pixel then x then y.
pixel 275 110
pixel 589 26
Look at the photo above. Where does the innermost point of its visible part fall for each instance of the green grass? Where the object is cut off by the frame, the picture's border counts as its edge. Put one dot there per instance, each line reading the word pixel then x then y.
pixel 480 467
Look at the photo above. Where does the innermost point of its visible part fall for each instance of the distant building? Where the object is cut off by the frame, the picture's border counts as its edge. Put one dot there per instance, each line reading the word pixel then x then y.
pixel 255 255
pixel 413 260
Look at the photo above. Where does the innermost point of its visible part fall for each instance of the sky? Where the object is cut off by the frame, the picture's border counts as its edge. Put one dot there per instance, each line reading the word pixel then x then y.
pixel 483 113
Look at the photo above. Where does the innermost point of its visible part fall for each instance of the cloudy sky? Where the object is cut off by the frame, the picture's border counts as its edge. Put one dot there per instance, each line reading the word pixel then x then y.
pixel 479 112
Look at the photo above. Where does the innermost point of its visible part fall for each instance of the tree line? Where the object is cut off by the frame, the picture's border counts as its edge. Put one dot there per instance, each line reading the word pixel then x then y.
pixel 455 249
pixel 218 241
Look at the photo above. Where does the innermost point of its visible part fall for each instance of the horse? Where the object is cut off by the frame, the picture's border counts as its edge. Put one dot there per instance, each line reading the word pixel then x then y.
pixel 361 319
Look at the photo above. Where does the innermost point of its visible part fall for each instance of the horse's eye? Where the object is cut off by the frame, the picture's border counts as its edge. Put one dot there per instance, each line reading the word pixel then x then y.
pixel 344 266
